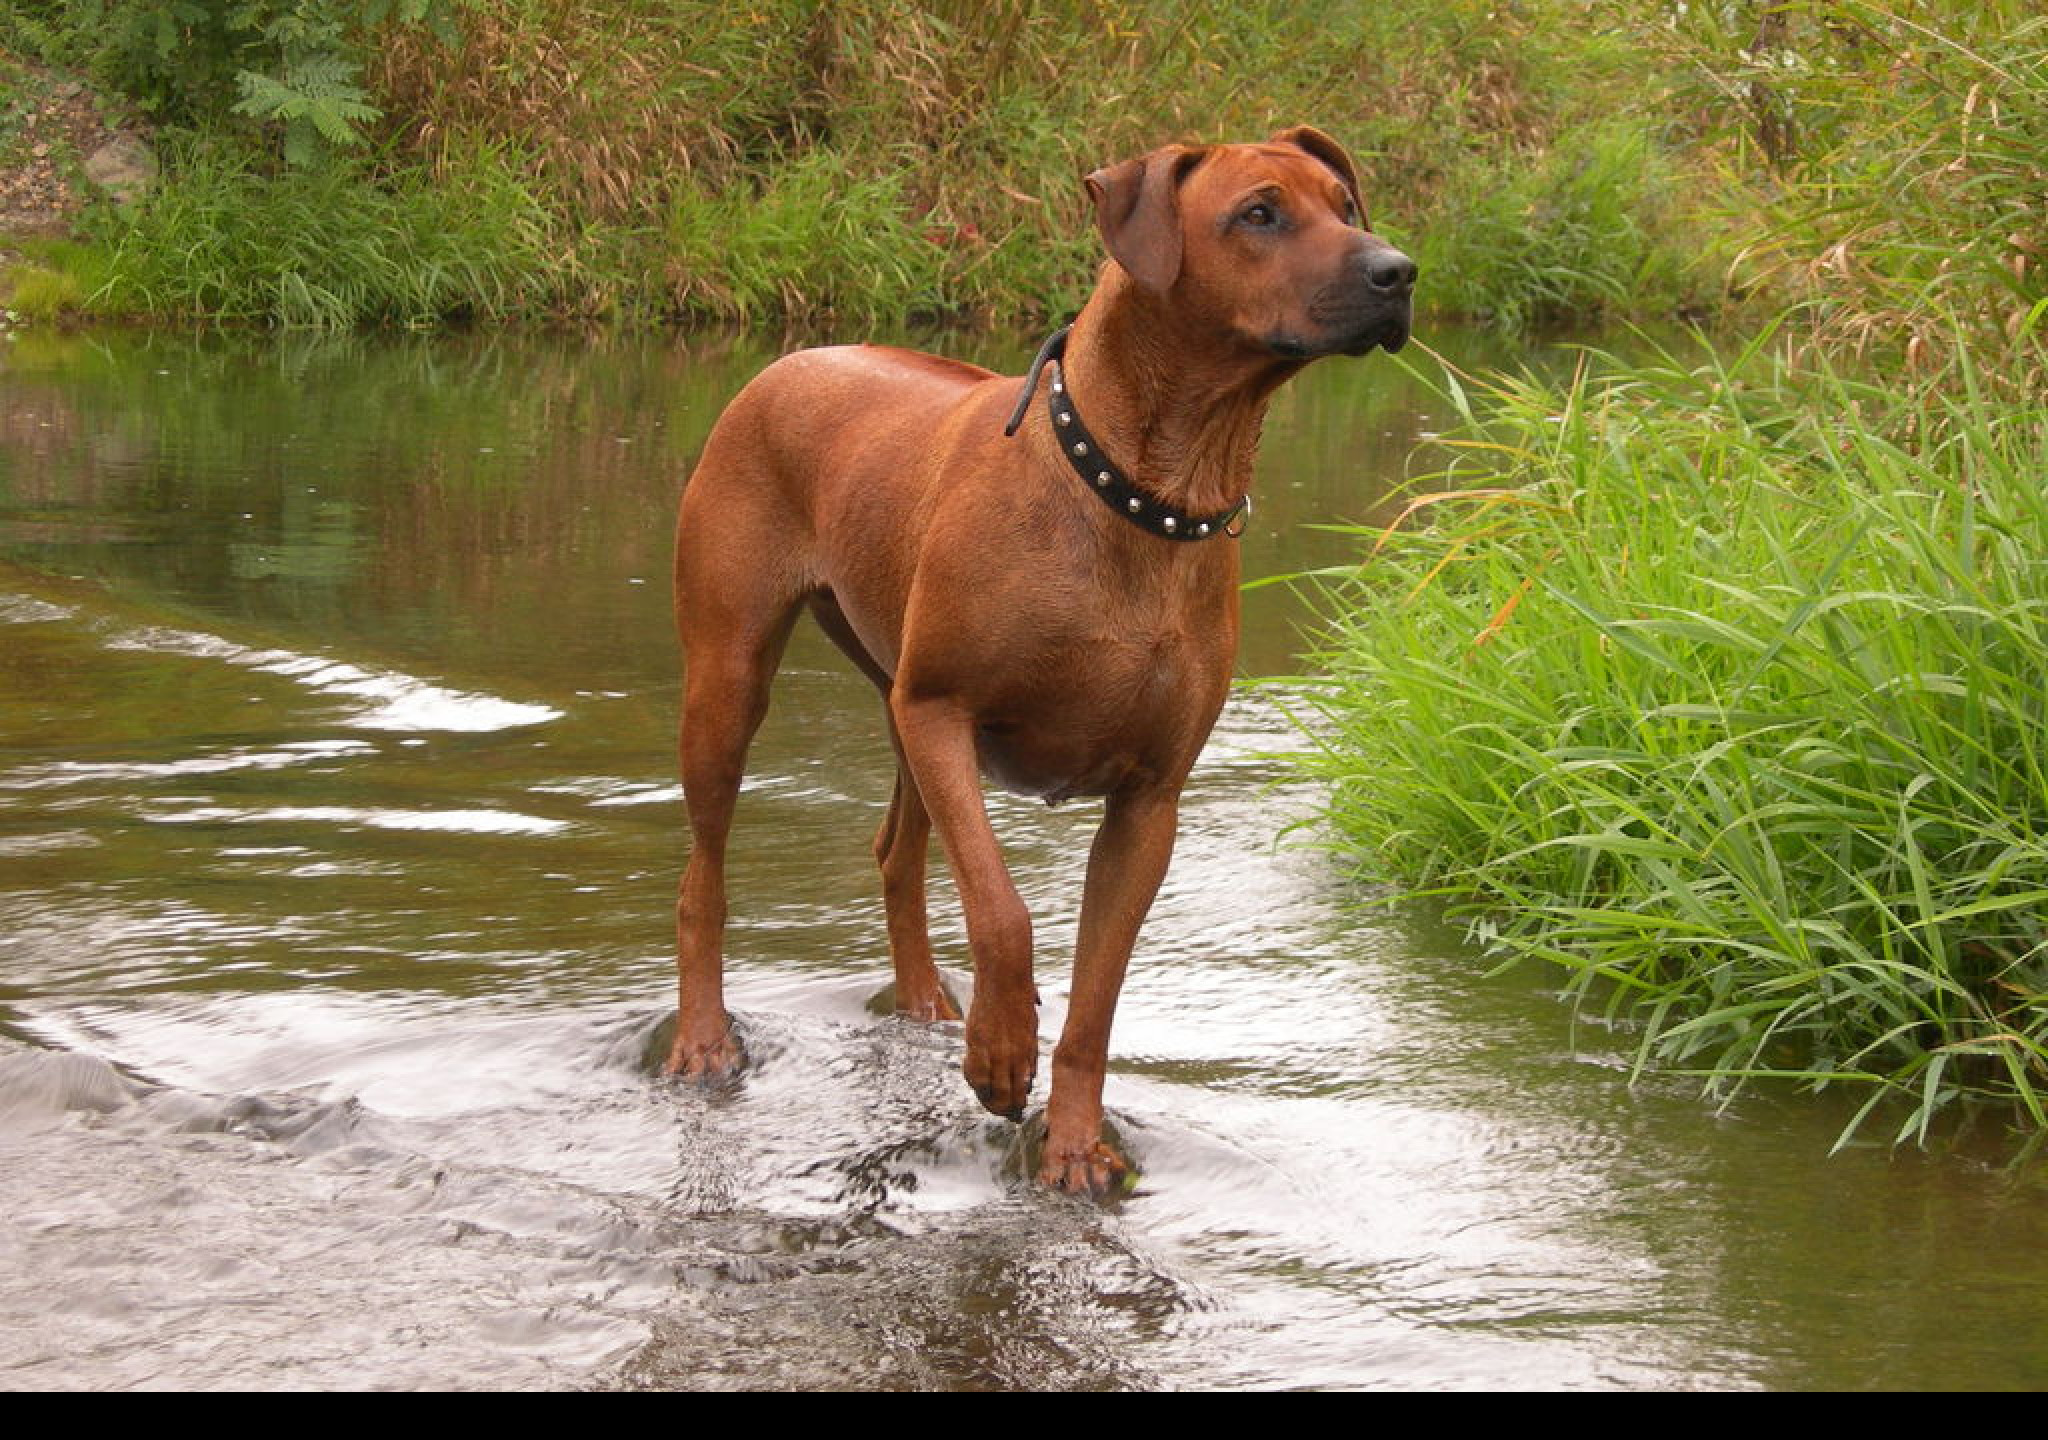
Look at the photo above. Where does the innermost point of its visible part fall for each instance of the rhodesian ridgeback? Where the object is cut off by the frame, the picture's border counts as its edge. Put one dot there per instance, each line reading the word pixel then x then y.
pixel 1044 594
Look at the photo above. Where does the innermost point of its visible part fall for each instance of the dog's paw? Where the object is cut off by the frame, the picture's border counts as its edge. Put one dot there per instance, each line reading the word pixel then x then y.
pixel 1003 1090
pixel 1001 1060
pixel 935 1009
pixel 1094 1170
pixel 931 1002
pixel 710 1057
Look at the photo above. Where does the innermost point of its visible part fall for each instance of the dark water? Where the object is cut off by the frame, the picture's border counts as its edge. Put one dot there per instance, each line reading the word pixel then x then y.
pixel 338 837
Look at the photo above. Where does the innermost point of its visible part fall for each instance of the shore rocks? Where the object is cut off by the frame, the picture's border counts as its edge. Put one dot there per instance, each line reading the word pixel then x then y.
pixel 125 167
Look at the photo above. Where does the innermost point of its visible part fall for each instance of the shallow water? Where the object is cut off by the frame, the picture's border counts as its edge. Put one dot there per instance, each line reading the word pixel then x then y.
pixel 338 837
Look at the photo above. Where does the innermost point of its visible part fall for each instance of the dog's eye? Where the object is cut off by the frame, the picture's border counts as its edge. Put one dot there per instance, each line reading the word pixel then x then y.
pixel 1259 216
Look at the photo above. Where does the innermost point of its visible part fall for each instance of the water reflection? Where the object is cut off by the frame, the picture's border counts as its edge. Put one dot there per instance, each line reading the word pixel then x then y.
pixel 338 836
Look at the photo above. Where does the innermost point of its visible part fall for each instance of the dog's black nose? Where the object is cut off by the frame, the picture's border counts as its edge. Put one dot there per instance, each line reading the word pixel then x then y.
pixel 1391 270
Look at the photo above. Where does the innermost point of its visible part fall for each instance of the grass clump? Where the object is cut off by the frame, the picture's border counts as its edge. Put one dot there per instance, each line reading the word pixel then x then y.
pixel 1727 691
pixel 1587 232
pixel 328 247
pixel 37 292
pixel 1725 687
pixel 52 279
pixel 815 243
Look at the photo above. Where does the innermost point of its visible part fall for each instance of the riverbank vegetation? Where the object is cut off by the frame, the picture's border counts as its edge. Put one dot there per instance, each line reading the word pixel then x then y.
pixel 1724 684
pixel 421 161
pixel 1727 690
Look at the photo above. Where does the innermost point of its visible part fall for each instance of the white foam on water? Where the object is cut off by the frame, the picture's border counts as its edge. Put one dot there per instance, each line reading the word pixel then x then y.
pixel 474 822
pixel 78 772
pixel 389 699
pixel 27 610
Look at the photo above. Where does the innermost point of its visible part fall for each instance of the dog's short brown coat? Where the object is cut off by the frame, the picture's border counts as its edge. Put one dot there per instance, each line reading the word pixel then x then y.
pixel 1016 626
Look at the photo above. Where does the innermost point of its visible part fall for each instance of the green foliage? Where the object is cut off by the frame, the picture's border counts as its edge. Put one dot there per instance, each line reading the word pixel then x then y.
pixel 1727 690
pixel 1878 163
pixel 293 66
pixel 312 92
pixel 331 247
pixel 1587 233
pixel 17 102
pixel 177 57
pixel 816 243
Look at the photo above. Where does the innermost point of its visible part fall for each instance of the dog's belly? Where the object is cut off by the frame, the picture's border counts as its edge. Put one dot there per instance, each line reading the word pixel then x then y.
pixel 1027 765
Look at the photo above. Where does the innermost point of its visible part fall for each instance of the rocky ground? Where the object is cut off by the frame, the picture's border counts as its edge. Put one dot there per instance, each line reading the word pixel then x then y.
pixel 60 144
pixel 50 129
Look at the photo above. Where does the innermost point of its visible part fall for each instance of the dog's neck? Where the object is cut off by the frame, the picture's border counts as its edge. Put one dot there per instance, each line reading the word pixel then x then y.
pixel 1179 418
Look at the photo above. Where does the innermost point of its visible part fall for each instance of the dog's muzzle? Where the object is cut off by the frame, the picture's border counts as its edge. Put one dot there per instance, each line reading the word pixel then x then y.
pixel 1370 304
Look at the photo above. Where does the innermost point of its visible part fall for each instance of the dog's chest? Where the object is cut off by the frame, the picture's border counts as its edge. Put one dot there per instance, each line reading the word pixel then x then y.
pixel 1102 711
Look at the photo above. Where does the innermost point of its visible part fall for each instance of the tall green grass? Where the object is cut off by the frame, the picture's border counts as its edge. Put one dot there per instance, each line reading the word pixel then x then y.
pixel 1592 230
pixel 1877 161
pixel 924 160
pixel 867 159
pixel 816 243
pixel 1725 687
pixel 329 248
pixel 1887 161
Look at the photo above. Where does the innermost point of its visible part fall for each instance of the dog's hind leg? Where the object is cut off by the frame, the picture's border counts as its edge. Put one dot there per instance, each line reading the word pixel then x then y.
pixel 902 848
pixel 725 696
pixel 734 611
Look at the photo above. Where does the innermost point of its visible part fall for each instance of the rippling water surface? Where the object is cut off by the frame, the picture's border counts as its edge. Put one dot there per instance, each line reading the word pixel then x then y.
pixel 338 836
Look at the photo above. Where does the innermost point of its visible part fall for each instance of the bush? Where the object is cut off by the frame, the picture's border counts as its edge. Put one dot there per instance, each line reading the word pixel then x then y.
pixel 292 66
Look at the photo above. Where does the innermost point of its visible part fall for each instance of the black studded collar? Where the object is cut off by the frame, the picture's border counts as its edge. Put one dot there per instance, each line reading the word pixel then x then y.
pixel 1084 452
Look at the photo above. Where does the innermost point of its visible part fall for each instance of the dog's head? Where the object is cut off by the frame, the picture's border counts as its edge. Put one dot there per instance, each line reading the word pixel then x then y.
pixel 1267 240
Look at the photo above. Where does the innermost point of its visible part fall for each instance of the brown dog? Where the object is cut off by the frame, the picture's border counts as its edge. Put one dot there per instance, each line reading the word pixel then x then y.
pixel 1016 624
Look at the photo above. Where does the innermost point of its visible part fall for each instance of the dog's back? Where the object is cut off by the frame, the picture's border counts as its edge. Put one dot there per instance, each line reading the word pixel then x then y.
pixel 798 476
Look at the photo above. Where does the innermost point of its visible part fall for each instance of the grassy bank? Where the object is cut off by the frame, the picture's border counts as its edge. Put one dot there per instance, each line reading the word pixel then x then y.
pixel 863 160
pixel 1727 691
pixel 416 161
pixel 1721 686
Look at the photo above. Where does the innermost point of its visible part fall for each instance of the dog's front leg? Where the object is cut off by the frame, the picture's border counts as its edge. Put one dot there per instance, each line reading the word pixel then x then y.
pixel 1002 1021
pixel 1125 866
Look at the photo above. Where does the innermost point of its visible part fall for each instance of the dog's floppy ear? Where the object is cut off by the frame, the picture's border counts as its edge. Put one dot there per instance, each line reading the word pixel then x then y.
pixel 1316 143
pixel 1137 209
